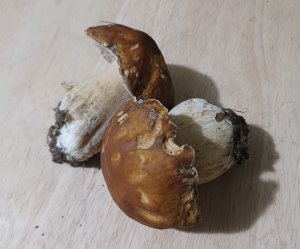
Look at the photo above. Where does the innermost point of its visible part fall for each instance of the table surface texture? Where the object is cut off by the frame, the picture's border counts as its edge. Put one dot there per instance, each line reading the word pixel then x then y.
pixel 243 55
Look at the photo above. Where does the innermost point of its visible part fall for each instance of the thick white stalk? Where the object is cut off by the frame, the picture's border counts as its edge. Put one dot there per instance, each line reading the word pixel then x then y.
pixel 218 142
pixel 83 115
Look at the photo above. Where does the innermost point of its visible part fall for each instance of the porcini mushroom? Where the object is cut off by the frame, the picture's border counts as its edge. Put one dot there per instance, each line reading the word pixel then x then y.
pixel 149 177
pixel 137 69
pixel 218 136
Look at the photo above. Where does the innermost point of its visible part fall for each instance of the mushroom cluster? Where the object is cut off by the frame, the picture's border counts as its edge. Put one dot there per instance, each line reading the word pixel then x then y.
pixel 153 155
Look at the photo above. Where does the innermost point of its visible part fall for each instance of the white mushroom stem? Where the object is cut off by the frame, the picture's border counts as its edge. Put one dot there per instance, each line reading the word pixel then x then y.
pixel 83 115
pixel 213 136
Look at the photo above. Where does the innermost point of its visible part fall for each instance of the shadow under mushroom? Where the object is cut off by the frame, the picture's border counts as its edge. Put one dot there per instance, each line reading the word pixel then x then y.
pixel 188 84
pixel 234 201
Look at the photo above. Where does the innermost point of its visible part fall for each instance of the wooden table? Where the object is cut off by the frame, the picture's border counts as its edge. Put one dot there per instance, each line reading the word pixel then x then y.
pixel 239 54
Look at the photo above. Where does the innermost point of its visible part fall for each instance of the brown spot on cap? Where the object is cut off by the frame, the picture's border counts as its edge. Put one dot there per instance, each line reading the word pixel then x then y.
pixel 220 116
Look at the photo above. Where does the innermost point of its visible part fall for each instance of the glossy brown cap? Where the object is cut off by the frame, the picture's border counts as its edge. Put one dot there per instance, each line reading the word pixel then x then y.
pixel 142 65
pixel 149 177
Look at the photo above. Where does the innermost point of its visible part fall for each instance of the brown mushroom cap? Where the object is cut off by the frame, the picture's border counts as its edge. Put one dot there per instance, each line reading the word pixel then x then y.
pixel 149 177
pixel 142 65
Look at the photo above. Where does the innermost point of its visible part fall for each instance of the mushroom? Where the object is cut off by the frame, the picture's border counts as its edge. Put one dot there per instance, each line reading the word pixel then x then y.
pixel 151 178
pixel 218 136
pixel 137 68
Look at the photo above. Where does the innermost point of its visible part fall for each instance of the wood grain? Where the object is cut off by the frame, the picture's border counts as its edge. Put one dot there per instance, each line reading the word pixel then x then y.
pixel 239 54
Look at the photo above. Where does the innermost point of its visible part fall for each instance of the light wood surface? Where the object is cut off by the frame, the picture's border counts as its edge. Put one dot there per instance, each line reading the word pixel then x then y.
pixel 239 54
